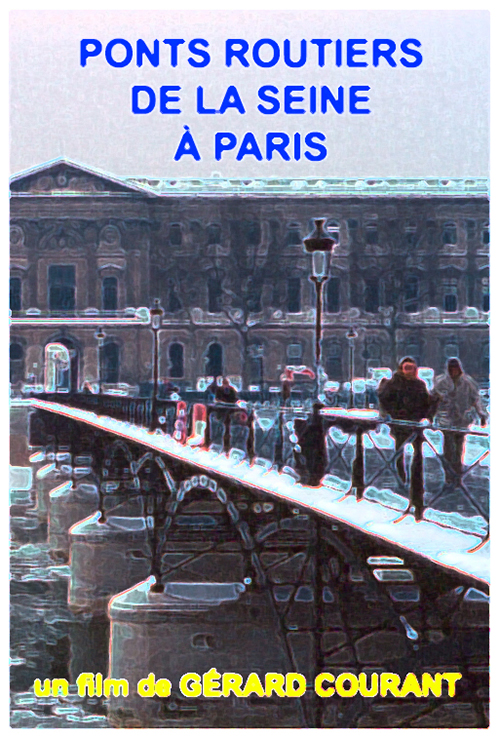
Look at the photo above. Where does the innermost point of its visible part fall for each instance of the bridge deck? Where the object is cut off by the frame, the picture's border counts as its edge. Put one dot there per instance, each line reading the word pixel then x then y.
pixel 447 547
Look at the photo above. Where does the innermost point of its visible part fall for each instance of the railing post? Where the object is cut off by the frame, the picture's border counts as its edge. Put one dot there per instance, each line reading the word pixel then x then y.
pixel 206 442
pixel 417 476
pixel 278 449
pixel 227 432
pixel 358 465
pixel 251 436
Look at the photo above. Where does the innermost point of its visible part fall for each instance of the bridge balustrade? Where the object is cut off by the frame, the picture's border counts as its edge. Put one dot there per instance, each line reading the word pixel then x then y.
pixel 329 442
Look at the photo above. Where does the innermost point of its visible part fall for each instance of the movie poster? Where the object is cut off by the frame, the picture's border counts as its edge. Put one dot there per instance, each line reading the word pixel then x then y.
pixel 249 368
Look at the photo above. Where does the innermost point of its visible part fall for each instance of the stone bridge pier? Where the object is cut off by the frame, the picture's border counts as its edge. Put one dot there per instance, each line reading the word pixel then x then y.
pixel 196 570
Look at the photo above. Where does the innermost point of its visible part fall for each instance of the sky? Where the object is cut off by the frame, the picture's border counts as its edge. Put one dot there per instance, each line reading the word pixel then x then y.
pixel 430 120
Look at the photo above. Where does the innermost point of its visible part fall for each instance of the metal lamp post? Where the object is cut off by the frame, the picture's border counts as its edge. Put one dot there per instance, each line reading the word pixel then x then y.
pixel 351 336
pixel 320 245
pixel 156 314
pixel 100 336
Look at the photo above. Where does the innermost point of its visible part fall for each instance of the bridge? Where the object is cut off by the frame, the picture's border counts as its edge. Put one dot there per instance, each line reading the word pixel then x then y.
pixel 343 564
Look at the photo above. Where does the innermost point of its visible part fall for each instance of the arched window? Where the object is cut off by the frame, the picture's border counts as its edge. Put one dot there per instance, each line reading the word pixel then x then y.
pixel 15 294
pixel 214 364
pixel 16 362
pixel 176 360
pixel 110 362
pixel 333 295
pixel 110 293
pixel 373 353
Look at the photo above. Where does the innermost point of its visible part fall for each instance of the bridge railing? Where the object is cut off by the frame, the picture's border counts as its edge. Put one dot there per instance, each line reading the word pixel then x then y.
pixel 431 478
pixel 358 448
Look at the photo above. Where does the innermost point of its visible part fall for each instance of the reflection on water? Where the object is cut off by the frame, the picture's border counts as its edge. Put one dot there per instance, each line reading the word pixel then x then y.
pixel 48 641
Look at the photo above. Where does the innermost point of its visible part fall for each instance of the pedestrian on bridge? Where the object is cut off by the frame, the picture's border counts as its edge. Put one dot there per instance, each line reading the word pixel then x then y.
pixel 310 454
pixel 405 397
pixel 460 403
pixel 226 392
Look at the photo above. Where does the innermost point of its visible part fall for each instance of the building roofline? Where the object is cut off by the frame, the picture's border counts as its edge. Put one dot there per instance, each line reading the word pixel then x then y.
pixel 217 185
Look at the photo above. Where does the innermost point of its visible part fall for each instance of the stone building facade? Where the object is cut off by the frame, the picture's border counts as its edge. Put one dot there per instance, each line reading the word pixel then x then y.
pixel 410 273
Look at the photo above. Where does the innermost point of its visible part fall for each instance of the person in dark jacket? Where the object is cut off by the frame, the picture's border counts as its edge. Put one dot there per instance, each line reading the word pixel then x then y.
pixel 405 397
pixel 226 392
pixel 311 457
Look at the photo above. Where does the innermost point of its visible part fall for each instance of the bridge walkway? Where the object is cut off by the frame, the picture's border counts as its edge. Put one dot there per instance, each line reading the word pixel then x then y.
pixel 465 553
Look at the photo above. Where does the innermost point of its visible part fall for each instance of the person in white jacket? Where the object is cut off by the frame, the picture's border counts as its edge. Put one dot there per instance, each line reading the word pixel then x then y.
pixel 460 402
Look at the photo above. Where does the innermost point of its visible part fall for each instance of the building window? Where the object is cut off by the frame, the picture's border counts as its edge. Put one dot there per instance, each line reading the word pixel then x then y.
pixel 16 362
pixel 450 296
pixel 293 295
pixel 214 295
pixel 412 348
pixel 110 358
pixel 251 229
pixel 15 294
pixel 449 233
pixel 451 349
pixel 333 364
pixel 485 361
pixel 431 233
pixel 372 355
pixel 485 303
pixel 213 360
pixel 371 234
pixel 175 234
pixel 411 294
pixel 254 296
pixel 61 287
pixel 176 359
pixel 333 295
pixel 450 303
pixel 333 229
pixel 213 234
pixel 294 352
pixel 470 227
pixel 411 234
pixel 372 295
pixel 256 363
pixel 486 234
pixel 109 293
pixel 293 237
pixel 173 304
